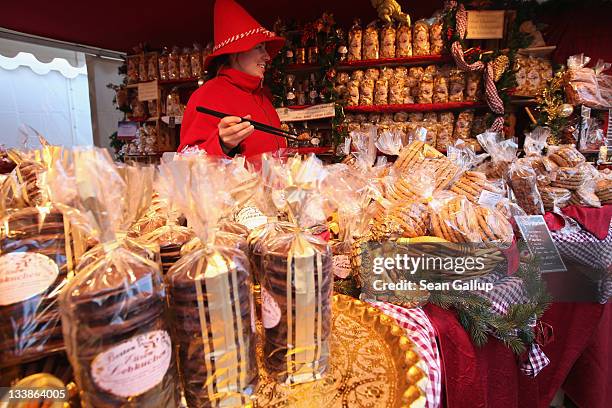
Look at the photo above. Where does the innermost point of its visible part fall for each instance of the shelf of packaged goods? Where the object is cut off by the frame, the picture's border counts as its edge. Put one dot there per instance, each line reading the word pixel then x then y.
pixel 141 120
pixel 382 62
pixel 415 107
pixel 169 82
pixel 302 68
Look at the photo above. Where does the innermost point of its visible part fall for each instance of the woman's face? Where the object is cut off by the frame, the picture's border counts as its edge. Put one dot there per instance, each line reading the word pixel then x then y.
pixel 253 61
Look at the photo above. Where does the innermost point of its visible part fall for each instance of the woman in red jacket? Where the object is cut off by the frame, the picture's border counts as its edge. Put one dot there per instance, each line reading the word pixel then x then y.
pixel 242 50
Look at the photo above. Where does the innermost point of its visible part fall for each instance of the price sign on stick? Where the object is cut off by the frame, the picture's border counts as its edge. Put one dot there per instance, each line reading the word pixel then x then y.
pixel 535 231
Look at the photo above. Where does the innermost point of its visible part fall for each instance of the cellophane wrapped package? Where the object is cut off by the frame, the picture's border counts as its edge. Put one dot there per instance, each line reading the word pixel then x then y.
pixel 210 289
pixel 114 312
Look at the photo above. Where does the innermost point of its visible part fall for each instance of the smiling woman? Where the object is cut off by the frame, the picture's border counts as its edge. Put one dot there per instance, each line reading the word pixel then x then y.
pixel 240 55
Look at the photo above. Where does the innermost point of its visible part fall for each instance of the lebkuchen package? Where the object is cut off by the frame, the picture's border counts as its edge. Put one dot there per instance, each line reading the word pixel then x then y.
pixel 38 251
pixel 296 286
pixel 210 290
pixel 114 313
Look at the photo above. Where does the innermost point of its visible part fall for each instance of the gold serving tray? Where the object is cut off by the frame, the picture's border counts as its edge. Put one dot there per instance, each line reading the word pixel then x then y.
pixel 372 365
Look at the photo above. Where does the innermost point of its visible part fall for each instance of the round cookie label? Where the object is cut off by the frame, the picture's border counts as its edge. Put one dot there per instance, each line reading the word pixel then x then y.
pixel 341 266
pixel 135 366
pixel 270 311
pixel 24 275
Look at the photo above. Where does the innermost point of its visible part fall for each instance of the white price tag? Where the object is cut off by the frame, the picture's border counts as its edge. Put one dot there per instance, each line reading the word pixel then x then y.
pixel 489 199
pixel 251 217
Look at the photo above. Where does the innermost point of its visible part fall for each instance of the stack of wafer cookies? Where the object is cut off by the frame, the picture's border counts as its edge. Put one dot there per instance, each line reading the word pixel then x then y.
pixel 603 189
pixel 567 156
pixel 585 196
pixel 571 178
pixel 471 184
pixel 554 197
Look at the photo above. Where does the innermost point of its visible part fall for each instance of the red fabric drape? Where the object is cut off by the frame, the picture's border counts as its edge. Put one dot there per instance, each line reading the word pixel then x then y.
pixel 580 355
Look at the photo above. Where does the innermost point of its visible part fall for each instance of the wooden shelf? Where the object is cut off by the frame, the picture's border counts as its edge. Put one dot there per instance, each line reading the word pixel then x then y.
pixel 414 107
pixel 309 150
pixel 523 100
pixel 381 62
pixel 168 82
pixel 302 68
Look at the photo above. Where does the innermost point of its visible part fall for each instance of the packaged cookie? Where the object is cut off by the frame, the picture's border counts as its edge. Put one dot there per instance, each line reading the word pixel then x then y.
pixel 297 285
pixel 152 59
pixel 174 63
pixel 114 311
pixel 185 64
pixel 446 118
pixel 366 92
pixel 415 117
pixel 196 61
pixel 565 155
pixel 387 41
pixel 456 86
pixel 407 96
pixel 421 38
pixel 36 262
pixel 353 93
pixel 396 91
pixel 445 136
pixel 370 48
pixel 210 285
pixel 381 92
pixel 400 72
pixel 163 65
pixel 400 117
pixel 463 125
pixel 554 198
pixel 479 125
pixel 403 41
pixel 355 40
pixel 143 74
pixel 426 87
pixel 387 73
pixel 502 152
pixel 343 77
pixel 473 86
pixel 433 70
pixel 357 75
pixel 132 69
pixel 435 38
pixel 440 91
pixel 454 219
pixel 372 73
pixel 414 76
pixel 523 181
pixel 472 184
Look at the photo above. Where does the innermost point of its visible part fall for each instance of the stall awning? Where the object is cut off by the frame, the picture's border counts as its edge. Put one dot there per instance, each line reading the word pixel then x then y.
pixel 120 25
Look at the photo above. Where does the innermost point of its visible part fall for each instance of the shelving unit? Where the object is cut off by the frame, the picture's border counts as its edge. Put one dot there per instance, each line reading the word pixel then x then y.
pixel 415 107
pixel 386 62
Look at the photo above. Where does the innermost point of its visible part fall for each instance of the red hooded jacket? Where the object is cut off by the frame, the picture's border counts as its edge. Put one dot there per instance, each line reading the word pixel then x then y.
pixel 236 93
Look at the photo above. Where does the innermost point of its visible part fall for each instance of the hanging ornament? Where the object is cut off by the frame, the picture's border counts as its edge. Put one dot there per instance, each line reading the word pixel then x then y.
pixel 500 65
pixel 565 110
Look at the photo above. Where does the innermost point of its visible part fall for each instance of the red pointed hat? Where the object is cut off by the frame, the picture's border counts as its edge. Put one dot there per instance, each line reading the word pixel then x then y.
pixel 237 31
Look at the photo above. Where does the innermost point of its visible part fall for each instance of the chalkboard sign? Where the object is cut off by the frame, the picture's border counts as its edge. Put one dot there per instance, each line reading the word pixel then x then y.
pixel 540 242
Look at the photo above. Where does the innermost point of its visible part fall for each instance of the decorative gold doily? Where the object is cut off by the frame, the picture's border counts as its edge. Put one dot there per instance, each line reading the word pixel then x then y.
pixel 372 365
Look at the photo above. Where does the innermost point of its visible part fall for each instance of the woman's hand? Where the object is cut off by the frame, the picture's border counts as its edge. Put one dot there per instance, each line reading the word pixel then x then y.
pixel 232 131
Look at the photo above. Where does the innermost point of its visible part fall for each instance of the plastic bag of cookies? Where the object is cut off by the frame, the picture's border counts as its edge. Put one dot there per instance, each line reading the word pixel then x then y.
pixel 565 155
pixel 366 92
pixel 421 38
pixel 435 38
pixel 502 152
pixel 463 126
pixel 426 88
pixel 473 87
pixel 387 41
pixel 355 41
pixel 440 91
pixel 353 93
pixel 554 198
pixel 454 219
pixel 114 312
pixel 523 180
pixel 372 73
pixel 396 91
pixel 381 92
pixel 403 41
pixel 370 49
pixel 456 86
pixel 357 75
